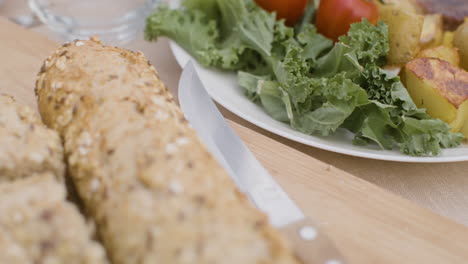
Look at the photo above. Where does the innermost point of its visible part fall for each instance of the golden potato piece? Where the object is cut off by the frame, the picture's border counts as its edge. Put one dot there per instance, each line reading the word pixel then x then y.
pixel 445 53
pixel 447 39
pixel 441 88
pixel 460 40
pixel 432 30
pixel 404 32
pixel 408 5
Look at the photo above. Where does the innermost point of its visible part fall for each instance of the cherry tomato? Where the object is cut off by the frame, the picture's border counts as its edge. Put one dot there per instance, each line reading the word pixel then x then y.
pixel 334 17
pixel 291 10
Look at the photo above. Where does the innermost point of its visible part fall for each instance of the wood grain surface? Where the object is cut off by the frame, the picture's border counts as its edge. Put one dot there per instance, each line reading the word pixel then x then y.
pixel 368 224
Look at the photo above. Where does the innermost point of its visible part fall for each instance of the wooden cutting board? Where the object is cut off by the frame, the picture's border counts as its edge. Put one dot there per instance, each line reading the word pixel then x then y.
pixel 368 224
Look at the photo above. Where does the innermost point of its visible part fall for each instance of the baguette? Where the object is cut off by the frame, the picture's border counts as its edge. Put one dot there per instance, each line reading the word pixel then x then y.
pixel 27 146
pixel 153 190
pixel 37 225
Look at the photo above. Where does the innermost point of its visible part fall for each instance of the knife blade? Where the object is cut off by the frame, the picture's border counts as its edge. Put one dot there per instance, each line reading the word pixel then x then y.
pixel 311 244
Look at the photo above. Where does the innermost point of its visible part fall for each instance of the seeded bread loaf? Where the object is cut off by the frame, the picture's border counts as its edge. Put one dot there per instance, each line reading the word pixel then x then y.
pixel 37 225
pixel 27 146
pixel 155 193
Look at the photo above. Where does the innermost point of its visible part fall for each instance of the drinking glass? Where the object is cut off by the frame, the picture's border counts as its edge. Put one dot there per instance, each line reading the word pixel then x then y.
pixel 114 21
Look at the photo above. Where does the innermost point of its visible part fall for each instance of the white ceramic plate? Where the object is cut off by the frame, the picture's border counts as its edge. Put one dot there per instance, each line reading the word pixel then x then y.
pixel 223 88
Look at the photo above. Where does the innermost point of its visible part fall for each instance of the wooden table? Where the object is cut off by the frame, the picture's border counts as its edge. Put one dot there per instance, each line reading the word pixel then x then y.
pixel 369 225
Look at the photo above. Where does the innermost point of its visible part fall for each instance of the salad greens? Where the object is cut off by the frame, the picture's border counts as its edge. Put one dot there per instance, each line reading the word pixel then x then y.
pixel 303 78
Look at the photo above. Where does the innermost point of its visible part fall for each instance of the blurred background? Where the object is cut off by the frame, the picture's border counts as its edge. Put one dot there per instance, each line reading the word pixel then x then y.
pixel 158 52
pixel 117 22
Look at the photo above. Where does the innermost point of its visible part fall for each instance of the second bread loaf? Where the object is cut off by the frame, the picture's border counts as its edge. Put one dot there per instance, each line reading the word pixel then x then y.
pixel 154 191
pixel 27 146
pixel 37 225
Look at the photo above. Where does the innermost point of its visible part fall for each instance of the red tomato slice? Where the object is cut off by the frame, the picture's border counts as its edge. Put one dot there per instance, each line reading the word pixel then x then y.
pixel 291 10
pixel 334 17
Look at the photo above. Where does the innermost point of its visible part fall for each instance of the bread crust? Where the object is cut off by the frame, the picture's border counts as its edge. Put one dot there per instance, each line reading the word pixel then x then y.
pixel 27 145
pixel 154 191
pixel 37 225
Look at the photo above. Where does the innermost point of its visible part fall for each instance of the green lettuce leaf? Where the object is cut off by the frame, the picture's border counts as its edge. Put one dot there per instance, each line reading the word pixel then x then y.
pixel 313 43
pixel 256 33
pixel 209 7
pixel 424 137
pixel 396 118
pixel 302 77
pixel 372 123
pixel 190 28
pixel 338 98
pixel 274 100
pixel 369 41
pixel 307 18
pixel 197 32
pixel 250 83
pixel 342 58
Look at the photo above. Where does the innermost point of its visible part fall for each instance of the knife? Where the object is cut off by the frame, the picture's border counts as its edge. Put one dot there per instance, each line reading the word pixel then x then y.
pixel 311 245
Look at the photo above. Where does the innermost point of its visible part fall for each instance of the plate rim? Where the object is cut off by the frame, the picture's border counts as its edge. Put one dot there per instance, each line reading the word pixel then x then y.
pixel 341 150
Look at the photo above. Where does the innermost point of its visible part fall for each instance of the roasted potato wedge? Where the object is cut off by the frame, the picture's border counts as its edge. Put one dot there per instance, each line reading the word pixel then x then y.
pixel 447 39
pixel 432 31
pixel 442 52
pixel 460 40
pixel 404 32
pixel 441 88
pixel 409 5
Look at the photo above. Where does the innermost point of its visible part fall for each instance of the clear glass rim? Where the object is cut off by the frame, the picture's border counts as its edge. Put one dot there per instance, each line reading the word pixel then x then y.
pixel 116 31
pixel 131 17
